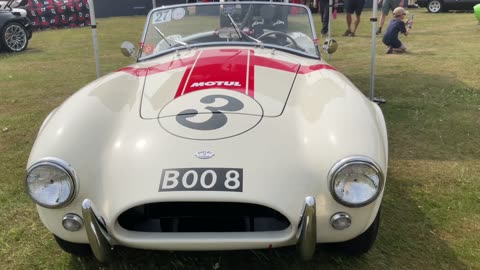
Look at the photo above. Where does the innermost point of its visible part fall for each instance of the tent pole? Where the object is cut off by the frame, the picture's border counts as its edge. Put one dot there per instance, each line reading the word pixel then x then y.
pixel 93 23
pixel 374 45
pixel 330 13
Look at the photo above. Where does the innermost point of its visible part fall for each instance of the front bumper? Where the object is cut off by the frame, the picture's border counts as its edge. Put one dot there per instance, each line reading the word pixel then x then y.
pixel 99 240
pixel 102 243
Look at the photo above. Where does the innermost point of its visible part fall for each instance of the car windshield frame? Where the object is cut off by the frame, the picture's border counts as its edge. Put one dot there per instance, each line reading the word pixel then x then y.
pixel 170 43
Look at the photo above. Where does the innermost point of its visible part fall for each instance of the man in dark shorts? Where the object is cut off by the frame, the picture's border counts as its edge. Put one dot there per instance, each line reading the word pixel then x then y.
pixel 323 6
pixel 387 5
pixel 396 26
pixel 351 7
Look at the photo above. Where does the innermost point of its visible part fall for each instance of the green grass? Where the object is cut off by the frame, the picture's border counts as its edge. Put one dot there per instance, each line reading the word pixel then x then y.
pixel 431 209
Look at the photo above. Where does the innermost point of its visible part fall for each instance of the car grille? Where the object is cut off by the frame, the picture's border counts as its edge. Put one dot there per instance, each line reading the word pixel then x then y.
pixel 202 217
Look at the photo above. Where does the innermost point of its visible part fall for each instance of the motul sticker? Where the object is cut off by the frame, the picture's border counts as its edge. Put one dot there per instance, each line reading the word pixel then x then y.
pixel 218 83
pixel 228 69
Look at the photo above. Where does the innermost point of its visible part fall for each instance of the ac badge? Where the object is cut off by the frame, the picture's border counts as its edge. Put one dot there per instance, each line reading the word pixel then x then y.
pixel 204 154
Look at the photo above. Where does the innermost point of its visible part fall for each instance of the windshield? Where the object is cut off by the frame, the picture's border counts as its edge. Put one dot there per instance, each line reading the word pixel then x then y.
pixel 261 24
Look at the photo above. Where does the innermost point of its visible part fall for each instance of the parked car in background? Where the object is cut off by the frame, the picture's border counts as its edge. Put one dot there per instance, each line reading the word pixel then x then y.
pixel 436 6
pixel 15 27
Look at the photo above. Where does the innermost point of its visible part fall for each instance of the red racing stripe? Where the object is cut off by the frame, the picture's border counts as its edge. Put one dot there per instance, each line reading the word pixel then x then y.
pixel 225 68
pixel 232 69
pixel 275 64
pixel 308 69
pixel 257 61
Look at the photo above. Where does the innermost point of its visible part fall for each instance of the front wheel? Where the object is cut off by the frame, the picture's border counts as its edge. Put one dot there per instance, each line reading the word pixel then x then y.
pixel 14 37
pixel 79 250
pixel 362 243
pixel 435 6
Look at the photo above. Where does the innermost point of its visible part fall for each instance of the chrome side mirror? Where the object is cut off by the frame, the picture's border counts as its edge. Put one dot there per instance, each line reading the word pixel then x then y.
pixel 330 46
pixel 127 49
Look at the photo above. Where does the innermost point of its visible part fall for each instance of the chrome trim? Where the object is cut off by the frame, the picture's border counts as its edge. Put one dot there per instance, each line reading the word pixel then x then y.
pixel 355 160
pixel 97 237
pixel 205 154
pixel 62 165
pixel 307 232
pixel 75 217
pixel 338 216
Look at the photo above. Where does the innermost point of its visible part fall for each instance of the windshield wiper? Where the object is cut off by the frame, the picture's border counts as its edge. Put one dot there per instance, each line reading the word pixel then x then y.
pixel 167 39
pixel 239 32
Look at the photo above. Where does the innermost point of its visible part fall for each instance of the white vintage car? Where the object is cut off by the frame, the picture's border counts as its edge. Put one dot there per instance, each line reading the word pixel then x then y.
pixel 229 132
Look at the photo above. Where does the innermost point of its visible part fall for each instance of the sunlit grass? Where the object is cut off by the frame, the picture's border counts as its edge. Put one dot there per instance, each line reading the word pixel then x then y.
pixel 431 211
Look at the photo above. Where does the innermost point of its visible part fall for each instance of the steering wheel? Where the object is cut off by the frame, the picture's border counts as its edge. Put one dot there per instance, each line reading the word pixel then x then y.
pixel 293 42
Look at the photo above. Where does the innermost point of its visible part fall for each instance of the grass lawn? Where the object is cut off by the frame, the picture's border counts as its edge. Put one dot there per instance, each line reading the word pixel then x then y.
pixel 431 209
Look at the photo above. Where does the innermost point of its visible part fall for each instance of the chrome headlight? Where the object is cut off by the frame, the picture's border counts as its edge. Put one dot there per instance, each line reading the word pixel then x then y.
pixel 51 183
pixel 356 181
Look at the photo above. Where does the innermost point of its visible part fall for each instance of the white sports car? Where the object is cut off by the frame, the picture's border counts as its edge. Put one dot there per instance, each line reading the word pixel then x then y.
pixel 229 132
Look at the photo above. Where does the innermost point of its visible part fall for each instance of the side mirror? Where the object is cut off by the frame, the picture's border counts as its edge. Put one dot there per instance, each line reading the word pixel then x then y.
pixel 330 46
pixel 127 49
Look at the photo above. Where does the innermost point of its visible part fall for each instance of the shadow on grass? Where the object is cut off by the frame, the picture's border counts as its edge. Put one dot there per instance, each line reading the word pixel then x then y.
pixel 432 118
pixel 33 50
pixel 414 53
pixel 28 50
pixel 405 241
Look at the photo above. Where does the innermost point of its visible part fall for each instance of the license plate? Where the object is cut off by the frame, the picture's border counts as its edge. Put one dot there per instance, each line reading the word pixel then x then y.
pixel 202 179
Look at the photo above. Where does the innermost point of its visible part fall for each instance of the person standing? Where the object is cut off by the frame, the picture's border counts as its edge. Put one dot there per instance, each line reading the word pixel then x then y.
pixel 387 6
pixel 353 6
pixel 396 26
pixel 324 15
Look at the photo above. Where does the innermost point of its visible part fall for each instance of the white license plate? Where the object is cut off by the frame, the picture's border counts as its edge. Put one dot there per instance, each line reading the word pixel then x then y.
pixel 202 179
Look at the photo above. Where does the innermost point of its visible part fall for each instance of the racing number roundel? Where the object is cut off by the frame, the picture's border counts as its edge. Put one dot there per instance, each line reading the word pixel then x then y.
pixel 217 118
pixel 210 114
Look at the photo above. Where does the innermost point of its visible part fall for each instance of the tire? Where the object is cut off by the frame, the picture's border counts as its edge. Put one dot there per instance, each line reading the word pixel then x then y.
pixel 362 243
pixel 435 6
pixel 14 37
pixel 79 250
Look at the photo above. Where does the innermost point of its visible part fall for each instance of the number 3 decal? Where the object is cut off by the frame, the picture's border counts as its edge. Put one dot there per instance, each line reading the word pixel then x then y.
pixel 217 119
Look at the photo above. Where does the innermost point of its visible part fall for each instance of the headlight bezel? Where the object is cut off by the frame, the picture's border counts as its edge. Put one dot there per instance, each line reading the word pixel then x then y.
pixel 355 160
pixel 63 166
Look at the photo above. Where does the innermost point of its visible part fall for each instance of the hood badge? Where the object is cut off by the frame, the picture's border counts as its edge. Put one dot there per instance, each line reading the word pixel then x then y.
pixel 204 154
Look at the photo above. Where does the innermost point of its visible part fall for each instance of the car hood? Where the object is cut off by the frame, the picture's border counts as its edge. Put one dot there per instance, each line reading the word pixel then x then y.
pixel 175 80
pixel 119 156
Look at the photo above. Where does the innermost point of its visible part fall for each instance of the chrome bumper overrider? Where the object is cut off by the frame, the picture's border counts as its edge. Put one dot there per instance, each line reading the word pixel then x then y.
pixel 307 233
pixel 100 241
pixel 97 237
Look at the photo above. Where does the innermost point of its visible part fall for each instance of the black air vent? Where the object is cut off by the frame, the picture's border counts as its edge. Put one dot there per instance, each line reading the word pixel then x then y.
pixel 202 217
